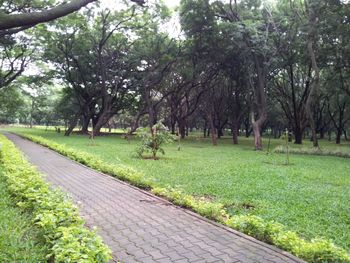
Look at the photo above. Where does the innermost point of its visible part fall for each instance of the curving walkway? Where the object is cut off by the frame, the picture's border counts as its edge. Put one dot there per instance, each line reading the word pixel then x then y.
pixel 140 227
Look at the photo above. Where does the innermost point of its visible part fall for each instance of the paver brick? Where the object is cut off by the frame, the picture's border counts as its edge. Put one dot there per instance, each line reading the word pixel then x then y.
pixel 139 227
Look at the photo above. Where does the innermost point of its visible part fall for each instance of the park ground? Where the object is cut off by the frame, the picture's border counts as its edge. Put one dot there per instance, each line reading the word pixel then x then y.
pixel 309 196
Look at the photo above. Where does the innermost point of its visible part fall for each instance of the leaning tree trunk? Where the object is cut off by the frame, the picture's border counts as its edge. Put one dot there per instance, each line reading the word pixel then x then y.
pixel 135 124
pixel 101 121
pixel 257 135
pixel 261 104
pixel 72 124
pixel 85 124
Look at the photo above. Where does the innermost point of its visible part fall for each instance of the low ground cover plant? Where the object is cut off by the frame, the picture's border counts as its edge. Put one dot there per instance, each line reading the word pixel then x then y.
pixel 19 240
pixel 314 250
pixel 63 230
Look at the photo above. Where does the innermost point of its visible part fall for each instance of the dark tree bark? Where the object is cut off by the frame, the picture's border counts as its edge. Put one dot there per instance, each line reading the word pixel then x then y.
pixel 260 101
pixel 182 128
pixel 72 124
pixel 205 128
pixel 85 124
pixel 298 136
pixel 136 121
pixel 235 128
pixel 212 129
pixel 338 123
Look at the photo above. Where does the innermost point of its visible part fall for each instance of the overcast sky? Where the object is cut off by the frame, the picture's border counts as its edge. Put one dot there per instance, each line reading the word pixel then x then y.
pixel 172 3
pixel 111 3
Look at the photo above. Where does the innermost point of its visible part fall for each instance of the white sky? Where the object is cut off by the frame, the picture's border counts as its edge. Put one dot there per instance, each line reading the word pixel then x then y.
pixel 114 3
pixel 172 27
pixel 172 3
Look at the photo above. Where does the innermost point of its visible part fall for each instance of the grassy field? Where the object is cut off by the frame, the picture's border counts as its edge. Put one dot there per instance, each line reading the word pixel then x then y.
pixel 310 196
pixel 18 239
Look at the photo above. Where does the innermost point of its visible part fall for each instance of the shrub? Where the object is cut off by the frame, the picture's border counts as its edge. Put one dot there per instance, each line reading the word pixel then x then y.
pixel 62 227
pixel 316 250
pixel 152 141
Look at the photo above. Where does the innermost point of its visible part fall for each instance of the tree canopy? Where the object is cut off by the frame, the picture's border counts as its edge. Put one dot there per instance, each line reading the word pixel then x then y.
pixel 237 67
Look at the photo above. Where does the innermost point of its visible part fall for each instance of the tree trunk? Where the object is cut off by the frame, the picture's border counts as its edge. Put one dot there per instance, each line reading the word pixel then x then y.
pixel 212 130
pixel 72 124
pixel 338 135
pixel 172 127
pixel 257 136
pixel 235 132
pixel 312 98
pixel 261 104
pixel 101 121
pixel 345 135
pixel 135 124
pixel 322 132
pixel 85 124
pixel 298 135
pixel 182 129
pixel 220 133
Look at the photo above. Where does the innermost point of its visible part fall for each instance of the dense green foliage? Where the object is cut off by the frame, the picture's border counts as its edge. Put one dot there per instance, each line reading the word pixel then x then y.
pixel 62 228
pixel 19 240
pixel 246 196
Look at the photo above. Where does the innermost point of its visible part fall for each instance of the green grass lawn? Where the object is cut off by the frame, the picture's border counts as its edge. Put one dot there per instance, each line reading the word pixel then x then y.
pixel 18 238
pixel 310 196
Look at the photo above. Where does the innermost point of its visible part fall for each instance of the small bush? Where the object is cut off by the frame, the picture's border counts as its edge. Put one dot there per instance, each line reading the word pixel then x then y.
pixel 317 250
pixel 63 229
pixel 152 141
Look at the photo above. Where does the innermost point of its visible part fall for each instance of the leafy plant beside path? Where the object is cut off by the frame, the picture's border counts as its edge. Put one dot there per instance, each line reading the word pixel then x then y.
pixel 315 250
pixel 67 238
pixel 19 240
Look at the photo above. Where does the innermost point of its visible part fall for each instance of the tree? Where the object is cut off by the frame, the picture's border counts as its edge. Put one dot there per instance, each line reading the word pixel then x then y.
pixel 292 78
pixel 338 110
pixel 13 59
pixel 312 7
pixel 254 38
pixel 11 23
pixel 12 105
pixel 39 95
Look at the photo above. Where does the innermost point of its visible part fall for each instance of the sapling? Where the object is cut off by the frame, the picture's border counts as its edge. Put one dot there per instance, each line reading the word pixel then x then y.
pixel 152 141
pixel 287 147
pixel 92 139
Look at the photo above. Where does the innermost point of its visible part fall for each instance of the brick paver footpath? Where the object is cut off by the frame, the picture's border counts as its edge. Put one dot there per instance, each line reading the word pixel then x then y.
pixel 140 227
